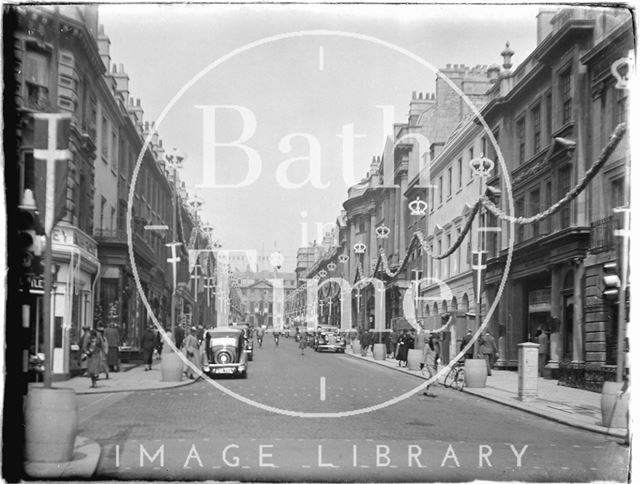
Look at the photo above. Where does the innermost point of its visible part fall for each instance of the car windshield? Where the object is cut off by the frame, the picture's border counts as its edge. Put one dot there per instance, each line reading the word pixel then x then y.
pixel 220 334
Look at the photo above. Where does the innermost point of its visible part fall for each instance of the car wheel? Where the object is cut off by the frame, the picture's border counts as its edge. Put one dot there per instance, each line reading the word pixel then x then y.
pixel 244 374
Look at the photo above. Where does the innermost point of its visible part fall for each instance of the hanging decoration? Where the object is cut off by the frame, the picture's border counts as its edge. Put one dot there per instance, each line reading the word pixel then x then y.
pixel 331 266
pixel 482 166
pixel 382 232
pixel 359 248
pixel 418 207
pixel 343 258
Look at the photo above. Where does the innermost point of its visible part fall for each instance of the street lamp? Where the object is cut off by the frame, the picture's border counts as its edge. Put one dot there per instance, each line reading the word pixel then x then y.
pixel 174 160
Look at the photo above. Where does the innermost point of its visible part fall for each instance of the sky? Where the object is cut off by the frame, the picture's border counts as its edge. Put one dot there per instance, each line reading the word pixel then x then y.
pixel 290 107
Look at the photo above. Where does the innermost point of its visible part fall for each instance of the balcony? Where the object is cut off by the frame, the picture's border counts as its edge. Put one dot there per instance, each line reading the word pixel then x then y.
pixel 119 237
pixel 602 238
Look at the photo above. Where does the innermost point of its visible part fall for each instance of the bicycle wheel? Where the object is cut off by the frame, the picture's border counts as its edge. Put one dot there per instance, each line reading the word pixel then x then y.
pixel 459 379
pixel 450 378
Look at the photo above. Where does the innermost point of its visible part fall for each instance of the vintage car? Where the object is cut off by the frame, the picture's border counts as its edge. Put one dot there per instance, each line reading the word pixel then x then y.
pixel 225 352
pixel 328 338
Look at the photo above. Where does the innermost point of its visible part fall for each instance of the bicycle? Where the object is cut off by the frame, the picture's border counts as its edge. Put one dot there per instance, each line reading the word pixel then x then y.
pixel 455 377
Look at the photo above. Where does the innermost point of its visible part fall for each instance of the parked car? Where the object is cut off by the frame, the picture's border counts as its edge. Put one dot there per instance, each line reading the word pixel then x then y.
pixel 225 352
pixel 328 338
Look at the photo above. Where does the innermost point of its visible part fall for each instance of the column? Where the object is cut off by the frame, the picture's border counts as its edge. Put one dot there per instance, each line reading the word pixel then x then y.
pixel 373 240
pixel 395 216
pixel 555 339
pixel 350 253
pixel 578 310
pixel 403 217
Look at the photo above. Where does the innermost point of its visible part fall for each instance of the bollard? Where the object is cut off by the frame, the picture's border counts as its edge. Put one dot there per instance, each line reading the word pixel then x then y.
pixel 528 371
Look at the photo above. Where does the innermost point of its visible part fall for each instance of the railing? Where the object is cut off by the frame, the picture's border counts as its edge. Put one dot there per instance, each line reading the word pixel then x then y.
pixel 602 238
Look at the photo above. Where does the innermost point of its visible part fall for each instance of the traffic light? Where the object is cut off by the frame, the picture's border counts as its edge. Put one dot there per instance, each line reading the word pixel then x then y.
pixel 29 242
pixel 611 281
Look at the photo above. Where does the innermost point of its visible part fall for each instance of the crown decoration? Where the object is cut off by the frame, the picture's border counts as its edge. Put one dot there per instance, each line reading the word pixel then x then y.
pixel 331 266
pixel 322 273
pixel 343 258
pixel 276 259
pixel 482 166
pixel 316 277
pixel 207 229
pixel 418 207
pixel 195 203
pixel 622 69
pixel 359 248
pixel 383 232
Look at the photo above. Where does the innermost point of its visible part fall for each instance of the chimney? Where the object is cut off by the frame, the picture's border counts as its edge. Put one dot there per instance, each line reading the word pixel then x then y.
pixel 544 25
pixel 418 105
pixel 493 72
pixel 104 45
pixel 122 83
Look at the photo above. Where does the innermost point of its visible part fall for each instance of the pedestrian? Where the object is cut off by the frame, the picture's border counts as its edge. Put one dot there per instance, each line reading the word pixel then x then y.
pixel 179 335
pixel 543 341
pixel 83 344
pixel 403 348
pixel 364 342
pixel 303 343
pixel 200 333
pixel 112 336
pixel 429 361
pixel 488 350
pixel 191 352
pixel 159 344
pixel 92 354
pixel 148 343
pixel 466 339
pixel 104 352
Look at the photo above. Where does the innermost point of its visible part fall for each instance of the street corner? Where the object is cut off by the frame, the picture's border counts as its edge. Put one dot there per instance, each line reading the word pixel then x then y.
pixel 86 454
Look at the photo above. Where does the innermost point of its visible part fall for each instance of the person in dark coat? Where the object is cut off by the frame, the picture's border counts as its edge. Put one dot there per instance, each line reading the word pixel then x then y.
pixel 112 336
pixel 403 348
pixel 488 350
pixel 465 341
pixel 179 336
pixel 92 353
pixel 148 343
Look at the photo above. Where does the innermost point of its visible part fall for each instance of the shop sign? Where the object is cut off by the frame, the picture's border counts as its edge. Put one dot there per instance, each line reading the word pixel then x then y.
pixel 73 236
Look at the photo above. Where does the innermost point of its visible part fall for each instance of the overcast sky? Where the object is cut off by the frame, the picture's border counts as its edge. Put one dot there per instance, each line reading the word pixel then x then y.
pixel 301 91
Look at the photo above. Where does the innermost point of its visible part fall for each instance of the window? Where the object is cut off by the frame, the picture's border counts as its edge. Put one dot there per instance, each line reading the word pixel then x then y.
pixel 493 153
pixel 103 203
pixel 483 143
pixel 431 274
pixel 470 158
pixel 104 139
pixel 459 172
pixel 565 96
pixel 549 114
pixel 520 134
pixel 439 262
pixel 547 204
pixel 458 266
pixel 449 181
pixel 36 78
pixel 448 259
pixel 620 107
pixel 617 193
pixel 534 208
pixel 440 189
pixel 535 121
pixel 564 184
pixel 114 150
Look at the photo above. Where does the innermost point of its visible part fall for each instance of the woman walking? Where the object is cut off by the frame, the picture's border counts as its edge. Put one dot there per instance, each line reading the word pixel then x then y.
pixel 148 343
pixel 303 342
pixel 429 360
pixel 192 352
pixel 93 356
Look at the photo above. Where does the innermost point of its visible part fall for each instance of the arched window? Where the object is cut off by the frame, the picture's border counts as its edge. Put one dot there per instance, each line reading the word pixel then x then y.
pixel 435 309
pixel 444 307
pixel 454 305
pixel 465 303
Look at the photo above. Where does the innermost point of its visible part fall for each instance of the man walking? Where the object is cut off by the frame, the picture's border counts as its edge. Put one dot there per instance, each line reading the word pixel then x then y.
pixel 465 341
pixel 488 350
pixel 112 336
pixel 543 341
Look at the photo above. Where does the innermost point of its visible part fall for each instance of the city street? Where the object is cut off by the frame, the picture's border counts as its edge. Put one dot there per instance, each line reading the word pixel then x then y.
pixel 196 432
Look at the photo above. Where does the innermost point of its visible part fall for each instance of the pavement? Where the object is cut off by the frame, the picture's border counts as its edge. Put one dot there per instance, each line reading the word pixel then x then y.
pixel 570 406
pixel 86 452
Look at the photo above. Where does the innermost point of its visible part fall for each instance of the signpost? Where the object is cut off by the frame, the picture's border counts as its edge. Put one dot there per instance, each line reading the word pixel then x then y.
pixel 51 141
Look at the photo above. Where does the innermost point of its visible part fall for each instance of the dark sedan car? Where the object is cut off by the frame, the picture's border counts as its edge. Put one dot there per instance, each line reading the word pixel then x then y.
pixel 225 352
pixel 328 338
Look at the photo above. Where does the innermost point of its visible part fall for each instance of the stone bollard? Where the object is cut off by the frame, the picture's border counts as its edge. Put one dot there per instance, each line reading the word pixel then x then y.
pixel 528 371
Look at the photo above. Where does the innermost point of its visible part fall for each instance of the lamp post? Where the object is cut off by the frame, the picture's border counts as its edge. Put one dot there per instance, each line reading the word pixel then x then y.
pixel 174 159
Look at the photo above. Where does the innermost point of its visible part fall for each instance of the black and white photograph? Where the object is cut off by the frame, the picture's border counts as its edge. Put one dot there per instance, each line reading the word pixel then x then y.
pixel 317 242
